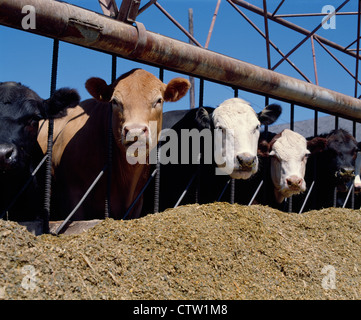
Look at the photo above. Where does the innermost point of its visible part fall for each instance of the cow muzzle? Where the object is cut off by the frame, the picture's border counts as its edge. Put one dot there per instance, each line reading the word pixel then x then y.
pixel 345 174
pixel 133 133
pixel 246 161
pixel 295 183
pixel 8 156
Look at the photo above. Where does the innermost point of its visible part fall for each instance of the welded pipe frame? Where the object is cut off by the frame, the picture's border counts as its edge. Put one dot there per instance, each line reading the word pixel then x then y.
pixel 89 29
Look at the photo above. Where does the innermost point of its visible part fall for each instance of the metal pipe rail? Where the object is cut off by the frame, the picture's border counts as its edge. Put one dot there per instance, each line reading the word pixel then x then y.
pixel 89 29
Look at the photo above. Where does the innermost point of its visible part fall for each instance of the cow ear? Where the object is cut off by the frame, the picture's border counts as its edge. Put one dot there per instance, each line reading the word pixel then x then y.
pixel 263 148
pixel 99 89
pixel 176 89
pixel 270 114
pixel 56 106
pixel 317 144
pixel 203 119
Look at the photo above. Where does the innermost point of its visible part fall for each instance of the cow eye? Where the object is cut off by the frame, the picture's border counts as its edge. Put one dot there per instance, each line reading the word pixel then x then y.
pixel 32 120
pixel 306 156
pixel 158 102
pixel 256 128
pixel 117 104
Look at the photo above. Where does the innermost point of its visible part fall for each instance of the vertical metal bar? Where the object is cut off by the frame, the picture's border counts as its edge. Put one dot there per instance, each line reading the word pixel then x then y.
pixel 107 212
pixel 315 123
pixel 335 197
pixel 315 128
pixel 358 45
pixel 161 74
pixel 199 165
pixel 314 60
pixel 157 174
pixel 191 79
pixel 292 127
pixel 290 204
pixel 356 87
pixel 267 34
pixel 201 92
pixel 212 24
pixel 47 191
pixel 109 159
pixel 233 181
pixel 232 191
pixel 114 68
pixel 157 182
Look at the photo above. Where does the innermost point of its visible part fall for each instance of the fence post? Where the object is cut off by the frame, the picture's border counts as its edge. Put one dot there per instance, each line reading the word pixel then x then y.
pixel 47 192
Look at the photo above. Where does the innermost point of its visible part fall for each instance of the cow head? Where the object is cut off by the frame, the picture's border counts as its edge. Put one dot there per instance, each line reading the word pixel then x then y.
pixel 20 112
pixel 241 125
pixel 338 158
pixel 289 152
pixel 137 99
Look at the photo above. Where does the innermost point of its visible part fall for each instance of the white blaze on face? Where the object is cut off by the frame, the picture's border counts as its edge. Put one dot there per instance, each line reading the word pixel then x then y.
pixel 238 119
pixel 288 164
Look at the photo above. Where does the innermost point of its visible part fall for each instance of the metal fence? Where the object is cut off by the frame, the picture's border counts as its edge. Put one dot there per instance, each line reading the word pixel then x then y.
pixel 118 33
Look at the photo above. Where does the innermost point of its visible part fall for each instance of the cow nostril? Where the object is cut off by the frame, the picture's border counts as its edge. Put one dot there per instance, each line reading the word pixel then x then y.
pixel 294 182
pixel 145 130
pixel 246 160
pixel 9 154
pixel 347 172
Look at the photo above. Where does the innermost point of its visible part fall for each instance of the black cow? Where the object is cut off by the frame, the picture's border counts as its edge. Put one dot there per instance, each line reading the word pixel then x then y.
pixel 233 115
pixel 332 168
pixel 20 112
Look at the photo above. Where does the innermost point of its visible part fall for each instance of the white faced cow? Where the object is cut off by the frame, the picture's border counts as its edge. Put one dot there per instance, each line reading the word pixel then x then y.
pixel 287 152
pixel 241 125
pixel 289 155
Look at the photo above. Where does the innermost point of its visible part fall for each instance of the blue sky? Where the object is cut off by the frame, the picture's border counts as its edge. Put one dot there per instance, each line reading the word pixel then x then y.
pixel 26 58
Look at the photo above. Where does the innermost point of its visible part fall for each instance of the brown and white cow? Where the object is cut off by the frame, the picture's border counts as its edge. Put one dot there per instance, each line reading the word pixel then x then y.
pixel 288 152
pixel 80 142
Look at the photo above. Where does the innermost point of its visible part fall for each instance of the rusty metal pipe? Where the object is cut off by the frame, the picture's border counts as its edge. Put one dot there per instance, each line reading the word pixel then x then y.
pixel 86 28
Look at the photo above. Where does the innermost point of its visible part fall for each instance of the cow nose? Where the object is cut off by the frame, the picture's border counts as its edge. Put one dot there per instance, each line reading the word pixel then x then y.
pixel 7 155
pixel 246 160
pixel 294 181
pixel 347 172
pixel 135 130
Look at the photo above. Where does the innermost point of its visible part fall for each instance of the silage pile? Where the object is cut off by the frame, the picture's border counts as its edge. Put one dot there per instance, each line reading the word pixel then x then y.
pixel 214 251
